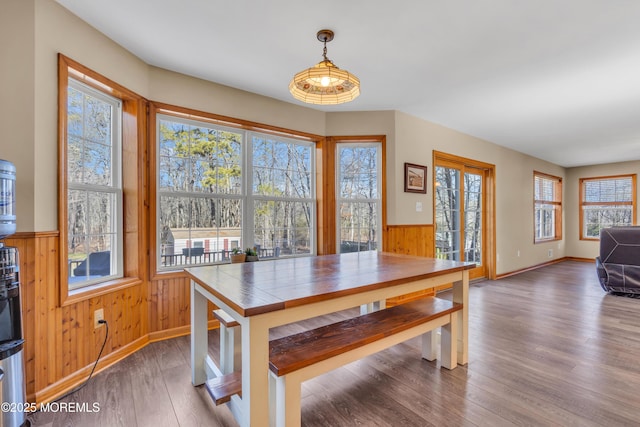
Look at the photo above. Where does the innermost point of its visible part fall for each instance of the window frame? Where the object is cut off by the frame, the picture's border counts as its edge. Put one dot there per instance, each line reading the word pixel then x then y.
pixel 168 110
pixel 252 198
pixel 339 200
pixel 114 188
pixel 133 180
pixel 632 203
pixel 556 203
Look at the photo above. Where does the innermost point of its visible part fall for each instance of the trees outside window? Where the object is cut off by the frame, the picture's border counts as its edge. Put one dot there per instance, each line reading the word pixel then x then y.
pixel 94 188
pixel 606 202
pixel 221 188
pixel 359 196
pixel 282 194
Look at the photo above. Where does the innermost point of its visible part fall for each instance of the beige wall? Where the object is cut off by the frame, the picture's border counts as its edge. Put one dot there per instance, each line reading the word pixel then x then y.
pixel 178 89
pixel 17 101
pixel 34 31
pixel 415 141
pixel 57 30
pixel 32 83
pixel 371 123
pixel 588 248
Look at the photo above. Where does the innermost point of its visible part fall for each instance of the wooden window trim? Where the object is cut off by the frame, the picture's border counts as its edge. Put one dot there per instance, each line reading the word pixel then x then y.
pixel 442 159
pixel 326 189
pixel 557 234
pixel 134 181
pixel 633 203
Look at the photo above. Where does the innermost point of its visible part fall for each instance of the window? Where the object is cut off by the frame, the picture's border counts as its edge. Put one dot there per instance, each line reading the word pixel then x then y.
pixel 208 204
pixel 548 207
pixel 282 195
pixel 94 186
pixel 359 196
pixel 606 202
pixel 101 159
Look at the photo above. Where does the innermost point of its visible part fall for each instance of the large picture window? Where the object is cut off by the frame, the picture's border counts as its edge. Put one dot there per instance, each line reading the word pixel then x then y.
pixel 222 188
pixel 606 202
pixel 547 207
pixel 359 195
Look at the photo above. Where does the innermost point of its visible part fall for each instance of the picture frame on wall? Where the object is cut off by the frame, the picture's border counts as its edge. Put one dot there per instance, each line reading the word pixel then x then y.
pixel 415 178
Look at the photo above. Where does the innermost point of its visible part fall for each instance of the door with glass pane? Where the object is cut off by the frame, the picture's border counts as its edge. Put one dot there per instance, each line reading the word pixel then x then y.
pixel 460 201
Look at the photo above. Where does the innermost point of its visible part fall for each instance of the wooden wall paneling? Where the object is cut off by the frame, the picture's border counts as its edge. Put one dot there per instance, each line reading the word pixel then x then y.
pixel 46 285
pixel 409 240
pixel 27 261
pixel 65 342
pixel 61 343
pixel 168 305
pixel 165 317
pixel 27 278
pixel 169 313
pixel 326 196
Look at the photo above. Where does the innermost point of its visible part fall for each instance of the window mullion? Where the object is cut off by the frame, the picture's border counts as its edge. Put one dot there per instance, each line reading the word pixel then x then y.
pixel 248 204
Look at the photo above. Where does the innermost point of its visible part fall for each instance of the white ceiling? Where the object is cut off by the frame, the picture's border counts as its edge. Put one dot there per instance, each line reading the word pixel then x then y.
pixel 556 79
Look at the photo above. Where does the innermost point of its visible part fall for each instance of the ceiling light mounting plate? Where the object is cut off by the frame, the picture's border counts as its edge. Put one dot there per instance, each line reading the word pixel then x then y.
pixel 325 35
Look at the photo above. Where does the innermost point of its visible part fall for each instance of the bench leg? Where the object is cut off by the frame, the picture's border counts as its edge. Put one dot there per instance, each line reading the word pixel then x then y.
pixel 230 344
pixel 284 401
pixel 430 345
pixel 449 343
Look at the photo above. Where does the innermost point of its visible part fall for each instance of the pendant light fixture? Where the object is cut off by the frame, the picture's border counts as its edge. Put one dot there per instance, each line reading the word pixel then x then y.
pixel 325 83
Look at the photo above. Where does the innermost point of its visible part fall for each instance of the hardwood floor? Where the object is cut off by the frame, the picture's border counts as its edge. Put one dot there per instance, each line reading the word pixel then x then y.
pixel 547 348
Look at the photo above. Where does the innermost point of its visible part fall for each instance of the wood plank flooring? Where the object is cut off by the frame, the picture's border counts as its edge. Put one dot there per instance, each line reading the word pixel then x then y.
pixel 547 348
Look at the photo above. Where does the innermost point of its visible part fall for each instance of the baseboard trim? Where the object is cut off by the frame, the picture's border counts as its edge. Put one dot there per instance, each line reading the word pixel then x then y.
pixel 589 260
pixel 178 332
pixel 533 267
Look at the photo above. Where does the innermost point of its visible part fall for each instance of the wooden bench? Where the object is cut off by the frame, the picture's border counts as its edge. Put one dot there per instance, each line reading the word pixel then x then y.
pixel 297 358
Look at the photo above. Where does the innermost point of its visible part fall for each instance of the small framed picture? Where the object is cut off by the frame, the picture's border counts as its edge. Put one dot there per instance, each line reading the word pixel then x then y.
pixel 415 178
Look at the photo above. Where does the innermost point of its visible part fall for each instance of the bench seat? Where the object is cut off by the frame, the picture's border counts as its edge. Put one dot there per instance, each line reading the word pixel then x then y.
pixel 299 357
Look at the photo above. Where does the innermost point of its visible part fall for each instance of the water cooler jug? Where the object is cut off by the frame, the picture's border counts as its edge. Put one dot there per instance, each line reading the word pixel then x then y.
pixel 12 388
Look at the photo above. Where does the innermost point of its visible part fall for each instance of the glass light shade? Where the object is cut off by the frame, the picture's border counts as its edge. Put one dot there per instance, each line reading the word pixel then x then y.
pixel 324 83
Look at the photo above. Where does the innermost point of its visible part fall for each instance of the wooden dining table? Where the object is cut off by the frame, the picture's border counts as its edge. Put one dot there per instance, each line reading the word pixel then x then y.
pixel 265 294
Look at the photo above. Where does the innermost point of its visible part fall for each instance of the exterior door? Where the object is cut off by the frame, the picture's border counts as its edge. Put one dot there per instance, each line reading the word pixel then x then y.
pixel 460 207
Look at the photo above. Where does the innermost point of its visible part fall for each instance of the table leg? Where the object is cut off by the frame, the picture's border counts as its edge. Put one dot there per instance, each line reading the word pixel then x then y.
pixel 199 338
pixel 255 372
pixel 461 295
pixel 373 306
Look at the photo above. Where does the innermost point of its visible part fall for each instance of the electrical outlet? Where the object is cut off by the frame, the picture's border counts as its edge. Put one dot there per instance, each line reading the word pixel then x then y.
pixel 98 315
pixel 518 253
pixel 550 253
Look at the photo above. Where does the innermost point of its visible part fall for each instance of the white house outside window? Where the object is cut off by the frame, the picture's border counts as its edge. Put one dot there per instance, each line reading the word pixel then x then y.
pixel 221 188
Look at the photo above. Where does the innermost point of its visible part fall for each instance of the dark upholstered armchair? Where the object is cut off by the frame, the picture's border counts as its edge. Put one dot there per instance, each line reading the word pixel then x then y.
pixel 618 265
